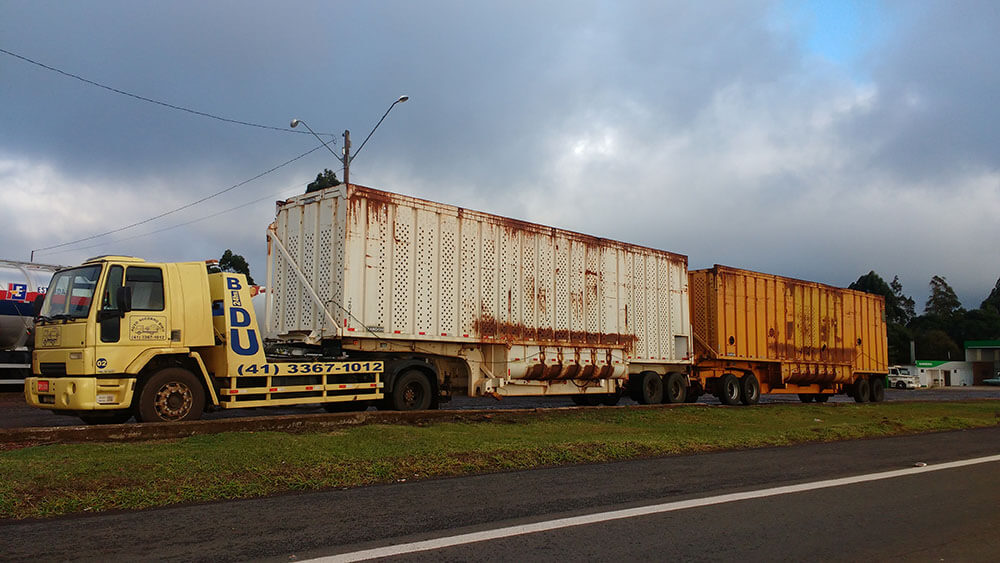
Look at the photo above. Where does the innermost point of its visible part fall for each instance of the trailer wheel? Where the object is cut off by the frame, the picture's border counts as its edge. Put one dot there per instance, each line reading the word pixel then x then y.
pixel 861 391
pixel 646 388
pixel 821 397
pixel 749 389
pixel 412 392
pixel 115 417
pixel 171 395
pixel 674 389
pixel 806 397
pixel 729 389
pixel 877 386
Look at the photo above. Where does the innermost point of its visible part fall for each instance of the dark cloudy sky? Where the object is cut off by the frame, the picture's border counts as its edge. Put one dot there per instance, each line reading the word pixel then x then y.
pixel 813 139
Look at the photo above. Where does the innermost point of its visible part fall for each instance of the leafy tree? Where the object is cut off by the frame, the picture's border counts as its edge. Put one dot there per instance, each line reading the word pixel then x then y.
pixel 325 179
pixel 937 345
pixel 904 303
pixel 236 264
pixel 943 302
pixel 992 303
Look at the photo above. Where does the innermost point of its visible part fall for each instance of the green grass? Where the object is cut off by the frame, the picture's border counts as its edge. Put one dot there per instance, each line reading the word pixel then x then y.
pixel 46 481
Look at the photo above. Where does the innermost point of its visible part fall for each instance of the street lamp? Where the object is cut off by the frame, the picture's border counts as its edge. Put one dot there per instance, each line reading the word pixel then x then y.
pixel 347 158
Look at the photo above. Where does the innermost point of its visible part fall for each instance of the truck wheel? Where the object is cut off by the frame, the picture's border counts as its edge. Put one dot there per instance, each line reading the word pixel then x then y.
pixel 861 391
pixel 674 389
pixel 412 392
pixel 115 417
pixel 806 397
pixel 877 386
pixel 647 388
pixel 900 385
pixel 821 398
pixel 749 390
pixel 729 389
pixel 171 395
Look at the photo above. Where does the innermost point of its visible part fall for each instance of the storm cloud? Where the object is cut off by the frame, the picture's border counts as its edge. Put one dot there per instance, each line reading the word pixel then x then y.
pixel 722 130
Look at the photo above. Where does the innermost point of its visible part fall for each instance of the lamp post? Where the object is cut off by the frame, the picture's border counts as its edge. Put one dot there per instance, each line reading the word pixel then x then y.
pixel 347 157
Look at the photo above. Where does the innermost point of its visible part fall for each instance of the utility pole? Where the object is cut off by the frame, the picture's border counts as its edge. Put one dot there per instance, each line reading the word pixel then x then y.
pixel 347 157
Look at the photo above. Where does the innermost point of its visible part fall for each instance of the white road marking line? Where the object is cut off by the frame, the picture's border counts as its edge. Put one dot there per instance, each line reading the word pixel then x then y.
pixel 510 531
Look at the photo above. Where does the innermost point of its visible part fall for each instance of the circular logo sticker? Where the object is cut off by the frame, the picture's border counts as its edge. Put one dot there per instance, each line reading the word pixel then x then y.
pixel 102 363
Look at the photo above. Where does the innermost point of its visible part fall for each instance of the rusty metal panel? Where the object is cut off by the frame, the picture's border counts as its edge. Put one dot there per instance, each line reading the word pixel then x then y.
pixel 389 266
pixel 822 333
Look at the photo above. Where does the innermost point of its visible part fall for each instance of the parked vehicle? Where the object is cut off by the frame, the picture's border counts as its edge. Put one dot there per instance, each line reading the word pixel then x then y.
pixel 20 283
pixel 758 333
pixel 901 378
pixel 423 301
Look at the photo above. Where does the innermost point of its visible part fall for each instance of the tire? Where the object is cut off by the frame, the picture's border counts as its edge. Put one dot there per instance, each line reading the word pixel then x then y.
pixel 113 417
pixel 346 406
pixel 807 397
pixel 729 389
pixel 749 390
pixel 171 395
pixel 674 389
pixel 877 388
pixel 861 391
pixel 821 397
pixel 900 385
pixel 411 392
pixel 647 388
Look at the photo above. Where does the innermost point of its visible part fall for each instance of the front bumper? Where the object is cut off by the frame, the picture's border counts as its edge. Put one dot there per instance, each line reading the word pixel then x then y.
pixel 79 393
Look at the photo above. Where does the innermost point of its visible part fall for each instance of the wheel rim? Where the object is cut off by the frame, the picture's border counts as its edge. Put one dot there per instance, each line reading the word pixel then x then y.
pixel 733 391
pixel 173 401
pixel 650 387
pixel 412 394
pixel 675 390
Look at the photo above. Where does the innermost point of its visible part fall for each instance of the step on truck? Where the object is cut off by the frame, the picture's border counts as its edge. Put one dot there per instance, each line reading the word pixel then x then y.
pixel 119 337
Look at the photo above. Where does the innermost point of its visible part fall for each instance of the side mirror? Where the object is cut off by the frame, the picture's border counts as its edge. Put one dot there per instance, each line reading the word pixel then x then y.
pixel 36 305
pixel 124 297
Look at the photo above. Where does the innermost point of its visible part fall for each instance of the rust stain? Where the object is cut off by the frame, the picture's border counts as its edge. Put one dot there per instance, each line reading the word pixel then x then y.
pixel 515 333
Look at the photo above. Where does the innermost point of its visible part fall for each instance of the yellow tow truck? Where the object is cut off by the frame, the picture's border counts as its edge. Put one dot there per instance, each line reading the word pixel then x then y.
pixel 119 337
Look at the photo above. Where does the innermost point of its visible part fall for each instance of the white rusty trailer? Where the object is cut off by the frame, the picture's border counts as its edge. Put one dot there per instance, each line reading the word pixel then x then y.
pixel 473 303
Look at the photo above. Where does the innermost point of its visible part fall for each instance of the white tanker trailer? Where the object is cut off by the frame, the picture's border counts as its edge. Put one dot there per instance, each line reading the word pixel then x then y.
pixel 20 283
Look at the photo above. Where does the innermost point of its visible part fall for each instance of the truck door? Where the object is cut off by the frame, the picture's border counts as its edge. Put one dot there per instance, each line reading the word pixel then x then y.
pixel 122 337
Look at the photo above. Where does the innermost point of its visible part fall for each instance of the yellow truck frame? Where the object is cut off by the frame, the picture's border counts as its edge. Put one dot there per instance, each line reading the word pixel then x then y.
pixel 119 337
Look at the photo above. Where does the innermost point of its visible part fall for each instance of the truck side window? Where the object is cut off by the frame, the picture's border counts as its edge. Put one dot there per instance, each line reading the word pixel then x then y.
pixel 109 301
pixel 147 288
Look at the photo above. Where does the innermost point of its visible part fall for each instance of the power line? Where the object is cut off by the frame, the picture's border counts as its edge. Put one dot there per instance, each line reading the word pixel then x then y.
pixel 151 100
pixel 178 225
pixel 193 203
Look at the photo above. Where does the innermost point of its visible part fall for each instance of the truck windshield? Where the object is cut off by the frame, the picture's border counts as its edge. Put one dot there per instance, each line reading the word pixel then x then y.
pixel 70 293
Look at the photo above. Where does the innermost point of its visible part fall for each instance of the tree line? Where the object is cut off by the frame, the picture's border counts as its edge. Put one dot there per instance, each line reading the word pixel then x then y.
pixel 940 332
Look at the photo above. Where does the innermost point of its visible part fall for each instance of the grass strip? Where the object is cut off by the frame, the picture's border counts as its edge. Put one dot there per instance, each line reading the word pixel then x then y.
pixel 48 481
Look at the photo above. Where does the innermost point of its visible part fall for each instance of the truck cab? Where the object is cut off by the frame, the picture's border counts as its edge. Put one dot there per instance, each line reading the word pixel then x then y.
pixel 901 378
pixel 119 337
pixel 111 320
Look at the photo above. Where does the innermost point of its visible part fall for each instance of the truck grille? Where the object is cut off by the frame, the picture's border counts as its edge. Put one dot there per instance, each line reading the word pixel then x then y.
pixel 52 368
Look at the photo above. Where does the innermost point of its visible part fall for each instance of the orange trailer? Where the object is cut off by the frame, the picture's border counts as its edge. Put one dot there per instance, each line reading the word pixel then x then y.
pixel 759 333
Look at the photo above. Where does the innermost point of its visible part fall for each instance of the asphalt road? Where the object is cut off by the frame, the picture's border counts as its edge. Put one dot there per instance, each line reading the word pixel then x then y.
pixel 15 413
pixel 945 515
